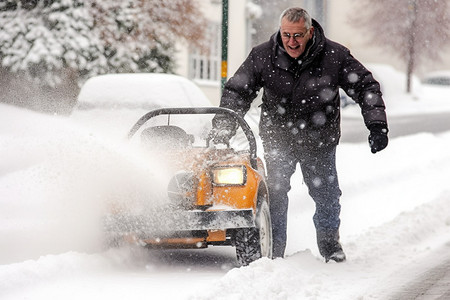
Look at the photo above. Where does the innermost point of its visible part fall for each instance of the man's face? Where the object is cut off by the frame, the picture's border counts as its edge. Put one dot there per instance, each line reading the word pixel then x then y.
pixel 295 36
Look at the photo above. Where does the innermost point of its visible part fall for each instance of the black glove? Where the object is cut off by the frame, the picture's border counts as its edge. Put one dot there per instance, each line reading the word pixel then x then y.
pixel 378 138
pixel 223 129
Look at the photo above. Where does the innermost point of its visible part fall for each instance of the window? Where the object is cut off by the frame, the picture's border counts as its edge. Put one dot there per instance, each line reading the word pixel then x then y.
pixel 205 65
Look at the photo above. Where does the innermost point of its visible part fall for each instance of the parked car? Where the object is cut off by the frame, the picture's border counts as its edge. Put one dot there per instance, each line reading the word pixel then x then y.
pixel 438 78
pixel 107 104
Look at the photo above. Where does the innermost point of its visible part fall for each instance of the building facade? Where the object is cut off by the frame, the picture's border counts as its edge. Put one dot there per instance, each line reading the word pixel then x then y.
pixel 204 68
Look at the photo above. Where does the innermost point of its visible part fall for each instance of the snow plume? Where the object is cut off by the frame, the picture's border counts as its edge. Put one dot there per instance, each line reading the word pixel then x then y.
pixel 54 200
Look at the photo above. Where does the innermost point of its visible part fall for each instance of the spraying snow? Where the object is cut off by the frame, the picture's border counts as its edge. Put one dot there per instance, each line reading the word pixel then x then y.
pixel 54 199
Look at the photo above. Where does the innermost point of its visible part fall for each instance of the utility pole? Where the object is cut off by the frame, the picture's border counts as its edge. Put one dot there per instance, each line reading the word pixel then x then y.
pixel 412 8
pixel 224 67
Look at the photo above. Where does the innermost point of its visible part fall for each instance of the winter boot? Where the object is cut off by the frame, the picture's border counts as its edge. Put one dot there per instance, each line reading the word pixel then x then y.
pixel 329 246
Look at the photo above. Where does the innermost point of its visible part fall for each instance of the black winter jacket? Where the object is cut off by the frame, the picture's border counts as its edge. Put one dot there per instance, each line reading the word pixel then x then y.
pixel 301 102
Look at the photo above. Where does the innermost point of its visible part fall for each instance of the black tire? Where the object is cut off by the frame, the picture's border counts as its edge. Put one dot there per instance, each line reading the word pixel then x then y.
pixel 254 243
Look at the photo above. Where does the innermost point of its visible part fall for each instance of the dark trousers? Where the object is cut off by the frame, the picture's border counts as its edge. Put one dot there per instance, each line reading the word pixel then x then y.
pixel 320 176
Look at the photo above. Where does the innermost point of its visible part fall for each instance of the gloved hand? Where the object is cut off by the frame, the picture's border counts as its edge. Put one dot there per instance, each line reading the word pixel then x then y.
pixel 378 138
pixel 223 130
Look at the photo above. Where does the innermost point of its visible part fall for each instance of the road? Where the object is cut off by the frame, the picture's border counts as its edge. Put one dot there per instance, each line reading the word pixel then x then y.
pixel 433 284
pixel 428 278
pixel 354 131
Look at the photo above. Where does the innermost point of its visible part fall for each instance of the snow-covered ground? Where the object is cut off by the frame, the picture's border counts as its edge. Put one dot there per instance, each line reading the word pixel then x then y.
pixel 55 174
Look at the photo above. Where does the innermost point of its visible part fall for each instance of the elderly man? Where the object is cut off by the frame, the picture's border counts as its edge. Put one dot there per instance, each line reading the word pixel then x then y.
pixel 300 72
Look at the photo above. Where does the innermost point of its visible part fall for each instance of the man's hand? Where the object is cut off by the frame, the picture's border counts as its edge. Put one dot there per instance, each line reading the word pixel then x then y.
pixel 221 135
pixel 378 138
pixel 223 130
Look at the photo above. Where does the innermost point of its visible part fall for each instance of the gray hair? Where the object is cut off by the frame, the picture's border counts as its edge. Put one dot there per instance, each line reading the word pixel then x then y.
pixel 295 14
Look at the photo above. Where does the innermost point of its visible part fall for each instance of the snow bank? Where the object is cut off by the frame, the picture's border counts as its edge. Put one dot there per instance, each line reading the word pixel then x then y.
pixel 375 267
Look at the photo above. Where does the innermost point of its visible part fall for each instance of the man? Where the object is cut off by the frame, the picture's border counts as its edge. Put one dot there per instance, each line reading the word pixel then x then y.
pixel 301 71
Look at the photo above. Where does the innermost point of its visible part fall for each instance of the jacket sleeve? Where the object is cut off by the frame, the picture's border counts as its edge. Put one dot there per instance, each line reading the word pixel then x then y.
pixel 359 84
pixel 243 87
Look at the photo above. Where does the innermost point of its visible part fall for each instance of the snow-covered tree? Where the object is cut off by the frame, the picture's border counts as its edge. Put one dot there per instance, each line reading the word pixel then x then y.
pixel 44 40
pixel 413 30
pixel 150 28
pixel 48 39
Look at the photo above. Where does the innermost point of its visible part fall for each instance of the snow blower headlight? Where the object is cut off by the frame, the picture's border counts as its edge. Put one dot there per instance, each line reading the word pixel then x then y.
pixel 229 175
